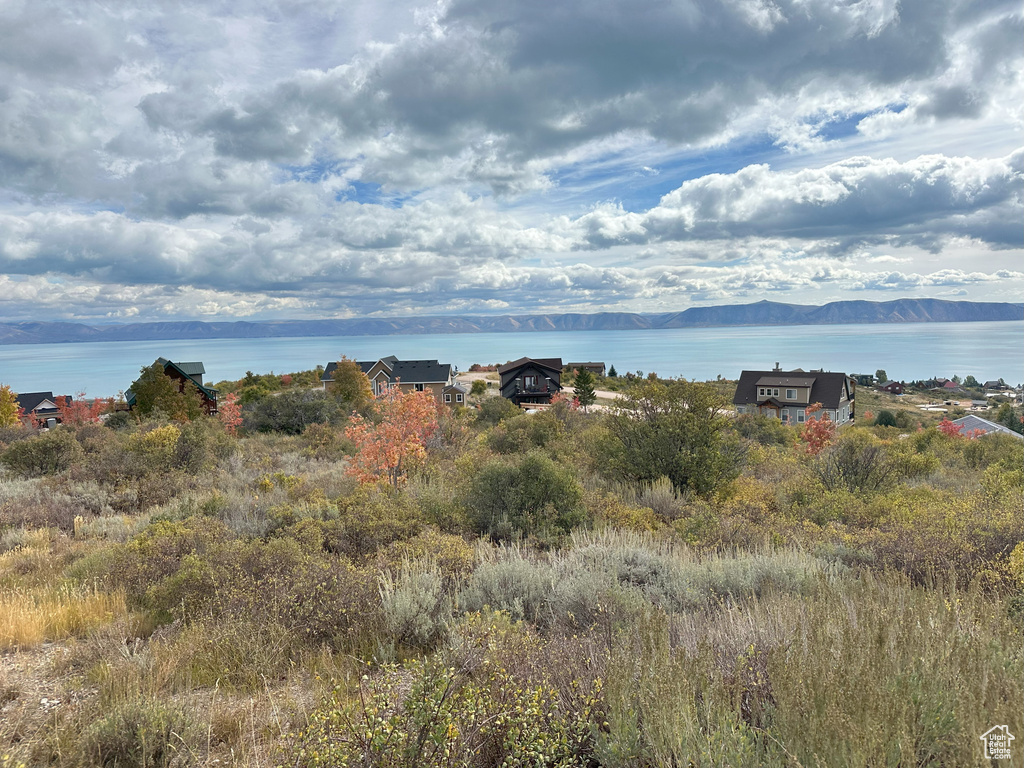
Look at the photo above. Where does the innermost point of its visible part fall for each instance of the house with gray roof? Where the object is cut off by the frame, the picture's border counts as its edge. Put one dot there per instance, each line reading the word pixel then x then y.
pixel 787 395
pixel 408 375
pixel 41 406
pixel 978 426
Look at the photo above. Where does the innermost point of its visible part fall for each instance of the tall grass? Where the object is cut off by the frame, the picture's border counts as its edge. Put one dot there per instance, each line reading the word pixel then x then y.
pixel 29 617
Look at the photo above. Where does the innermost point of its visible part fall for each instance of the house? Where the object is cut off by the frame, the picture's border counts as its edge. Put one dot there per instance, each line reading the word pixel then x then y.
pixel 996 386
pixel 41 406
pixel 408 375
pixel 892 387
pixel 454 394
pixel 529 380
pixel 182 374
pixel 786 395
pixel 863 379
pixel 950 385
pixel 978 426
pixel 597 369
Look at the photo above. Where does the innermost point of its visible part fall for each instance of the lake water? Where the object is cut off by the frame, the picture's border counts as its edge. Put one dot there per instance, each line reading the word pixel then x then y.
pixel 906 351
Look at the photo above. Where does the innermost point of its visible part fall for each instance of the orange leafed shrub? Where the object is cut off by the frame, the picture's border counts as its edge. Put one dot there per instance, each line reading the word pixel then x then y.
pixel 79 411
pixel 818 431
pixel 394 443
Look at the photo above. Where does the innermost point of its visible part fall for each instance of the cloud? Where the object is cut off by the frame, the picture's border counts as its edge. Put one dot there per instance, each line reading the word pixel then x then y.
pixel 365 156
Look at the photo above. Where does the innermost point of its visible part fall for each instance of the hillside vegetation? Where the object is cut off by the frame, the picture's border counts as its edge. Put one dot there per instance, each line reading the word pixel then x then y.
pixel 655 585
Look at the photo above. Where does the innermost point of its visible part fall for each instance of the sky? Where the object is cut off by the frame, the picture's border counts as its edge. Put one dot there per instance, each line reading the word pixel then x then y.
pixel 270 159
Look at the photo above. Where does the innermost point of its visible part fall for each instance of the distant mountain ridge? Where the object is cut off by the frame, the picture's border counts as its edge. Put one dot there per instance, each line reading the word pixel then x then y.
pixel 760 313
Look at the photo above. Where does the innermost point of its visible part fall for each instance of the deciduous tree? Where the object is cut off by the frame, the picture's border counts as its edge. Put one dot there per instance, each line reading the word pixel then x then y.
pixel 350 385
pixel 77 411
pixel 11 413
pixel 155 391
pixel 675 430
pixel 394 441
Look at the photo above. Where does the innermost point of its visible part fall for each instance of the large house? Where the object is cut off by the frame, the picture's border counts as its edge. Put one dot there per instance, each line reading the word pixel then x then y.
pixel 977 426
pixel 41 406
pixel 527 380
pixel 408 375
pixel 786 395
pixel 181 374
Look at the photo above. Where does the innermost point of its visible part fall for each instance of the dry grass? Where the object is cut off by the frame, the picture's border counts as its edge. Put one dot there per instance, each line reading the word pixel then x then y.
pixel 32 616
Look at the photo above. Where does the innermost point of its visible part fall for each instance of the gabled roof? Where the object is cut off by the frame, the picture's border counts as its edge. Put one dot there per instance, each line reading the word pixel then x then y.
pixel 189 369
pixel 551 363
pixel 970 423
pixel 826 388
pixel 29 401
pixel 420 372
pixel 409 371
pixel 456 388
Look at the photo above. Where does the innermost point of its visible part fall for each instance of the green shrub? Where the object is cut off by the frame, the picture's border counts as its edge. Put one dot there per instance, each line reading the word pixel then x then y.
pixel 140 733
pixel 494 410
pixel 531 495
pixel 45 454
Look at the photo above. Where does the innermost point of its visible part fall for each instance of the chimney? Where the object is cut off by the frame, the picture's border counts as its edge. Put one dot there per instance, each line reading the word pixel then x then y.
pixel 777 368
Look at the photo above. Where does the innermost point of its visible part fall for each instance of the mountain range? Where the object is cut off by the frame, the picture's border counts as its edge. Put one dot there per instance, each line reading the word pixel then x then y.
pixel 760 313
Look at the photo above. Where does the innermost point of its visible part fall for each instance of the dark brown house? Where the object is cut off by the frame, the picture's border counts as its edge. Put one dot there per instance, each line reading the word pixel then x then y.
pixel 531 381
pixel 892 387
pixel 181 374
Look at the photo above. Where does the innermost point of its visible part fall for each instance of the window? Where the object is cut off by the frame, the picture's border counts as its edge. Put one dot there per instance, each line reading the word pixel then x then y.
pixel 458 398
pixel 530 381
pixel 419 387
pixel 760 391
pixel 800 416
pixel 791 394
pixel 448 397
pixel 775 392
pixel 785 415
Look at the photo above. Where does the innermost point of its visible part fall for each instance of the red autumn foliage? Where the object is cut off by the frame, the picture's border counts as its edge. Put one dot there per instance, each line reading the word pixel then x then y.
pixel 818 431
pixel 393 442
pixel 229 412
pixel 79 411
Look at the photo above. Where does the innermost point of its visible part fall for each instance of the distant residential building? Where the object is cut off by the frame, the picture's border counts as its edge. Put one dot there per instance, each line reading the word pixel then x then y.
pixel 996 386
pixel 975 424
pixel 182 374
pixel 529 380
pixel 950 385
pixel 892 387
pixel 598 369
pixel 454 394
pixel 863 379
pixel 787 395
pixel 409 375
pixel 41 406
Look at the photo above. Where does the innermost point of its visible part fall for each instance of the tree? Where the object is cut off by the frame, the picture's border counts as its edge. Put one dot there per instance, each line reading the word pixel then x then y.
pixel 479 388
pixel 972 383
pixel 584 389
pixel 11 413
pixel 675 430
pixel 881 376
pixel 350 385
pixel 394 441
pixel 77 411
pixel 229 412
pixel 612 373
pixel 155 391
pixel 818 431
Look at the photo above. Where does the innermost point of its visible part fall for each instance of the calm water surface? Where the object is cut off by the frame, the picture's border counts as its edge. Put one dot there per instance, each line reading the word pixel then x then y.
pixel 910 351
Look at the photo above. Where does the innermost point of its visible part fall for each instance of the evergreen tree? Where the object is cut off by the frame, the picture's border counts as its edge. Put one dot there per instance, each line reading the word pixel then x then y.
pixel 584 389
pixel 612 373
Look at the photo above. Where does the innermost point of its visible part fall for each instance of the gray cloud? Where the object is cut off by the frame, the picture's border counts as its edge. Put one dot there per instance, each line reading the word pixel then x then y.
pixel 344 156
